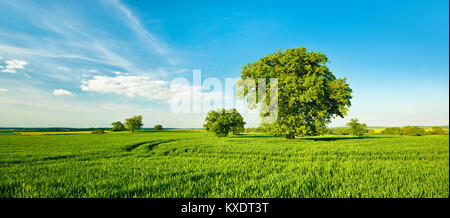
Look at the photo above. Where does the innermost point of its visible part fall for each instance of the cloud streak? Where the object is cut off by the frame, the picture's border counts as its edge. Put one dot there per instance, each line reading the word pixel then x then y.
pixel 13 65
pixel 62 92
pixel 143 86
pixel 71 39
pixel 133 23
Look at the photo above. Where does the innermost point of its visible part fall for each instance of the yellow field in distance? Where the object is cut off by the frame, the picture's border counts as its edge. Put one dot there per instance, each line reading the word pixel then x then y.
pixel 55 133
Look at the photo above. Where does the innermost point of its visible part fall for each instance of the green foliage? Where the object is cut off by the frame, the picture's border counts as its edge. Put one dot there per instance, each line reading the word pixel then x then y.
pixel 356 128
pixel 274 130
pixel 158 127
pixel 413 131
pixel 437 130
pixel 237 122
pixel 117 126
pixel 98 131
pixel 342 131
pixel 392 131
pixel 186 164
pixel 134 123
pixel 327 131
pixel 222 122
pixel 309 95
pixel 259 129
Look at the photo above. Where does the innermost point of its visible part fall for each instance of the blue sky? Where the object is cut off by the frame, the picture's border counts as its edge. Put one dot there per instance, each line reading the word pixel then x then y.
pixel 81 63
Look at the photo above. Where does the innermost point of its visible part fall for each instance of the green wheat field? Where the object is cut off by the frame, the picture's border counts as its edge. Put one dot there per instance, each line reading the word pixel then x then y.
pixel 197 164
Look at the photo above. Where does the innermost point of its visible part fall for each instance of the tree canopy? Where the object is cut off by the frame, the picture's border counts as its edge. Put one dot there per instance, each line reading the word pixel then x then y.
pixel 134 123
pixel 117 126
pixel 392 131
pixel 222 122
pixel 413 131
pixel 357 129
pixel 437 130
pixel 158 127
pixel 309 95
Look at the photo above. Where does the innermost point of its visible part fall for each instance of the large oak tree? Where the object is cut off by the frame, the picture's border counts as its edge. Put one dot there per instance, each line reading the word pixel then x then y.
pixel 309 95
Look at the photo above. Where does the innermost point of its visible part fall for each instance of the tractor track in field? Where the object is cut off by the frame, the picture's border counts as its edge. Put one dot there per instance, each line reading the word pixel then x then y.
pixel 149 144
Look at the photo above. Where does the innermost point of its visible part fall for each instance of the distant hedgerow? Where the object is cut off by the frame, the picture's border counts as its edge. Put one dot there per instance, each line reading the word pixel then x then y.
pixel 98 131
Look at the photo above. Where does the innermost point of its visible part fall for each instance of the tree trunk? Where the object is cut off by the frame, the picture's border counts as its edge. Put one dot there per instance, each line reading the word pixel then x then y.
pixel 290 136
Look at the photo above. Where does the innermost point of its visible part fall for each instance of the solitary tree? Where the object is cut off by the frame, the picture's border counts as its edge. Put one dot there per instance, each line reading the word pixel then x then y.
pixel 222 122
pixel 98 131
pixel 309 95
pixel 357 129
pixel 134 123
pixel 158 127
pixel 117 126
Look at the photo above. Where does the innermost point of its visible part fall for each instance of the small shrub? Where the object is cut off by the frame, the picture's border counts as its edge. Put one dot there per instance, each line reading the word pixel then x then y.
pixel 356 128
pixel 392 131
pixel 158 127
pixel 328 131
pixel 341 131
pixel 413 131
pixel 98 131
pixel 437 130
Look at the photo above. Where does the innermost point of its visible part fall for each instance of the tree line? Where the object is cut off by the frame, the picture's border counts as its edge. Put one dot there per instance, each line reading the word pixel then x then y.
pixel 131 124
pixel 309 97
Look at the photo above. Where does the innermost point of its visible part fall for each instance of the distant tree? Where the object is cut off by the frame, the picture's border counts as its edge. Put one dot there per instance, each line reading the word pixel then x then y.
pixel 342 131
pixel 222 122
pixel 134 123
pixel 260 129
pixel 356 128
pixel 309 95
pixel 117 126
pixel 437 130
pixel 158 127
pixel 327 131
pixel 392 131
pixel 413 131
pixel 98 131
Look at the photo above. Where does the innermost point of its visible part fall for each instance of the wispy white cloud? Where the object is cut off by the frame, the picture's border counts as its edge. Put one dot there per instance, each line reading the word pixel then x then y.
pixel 134 24
pixel 143 86
pixel 3 90
pixel 59 42
pixel 62 92
pixel 90 70
pixel 73 39
pixel 13 65
pixel 128 85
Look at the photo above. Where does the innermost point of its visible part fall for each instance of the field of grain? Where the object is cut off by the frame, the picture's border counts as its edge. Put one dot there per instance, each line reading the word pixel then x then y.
pixel 54 133
pixel 197 164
